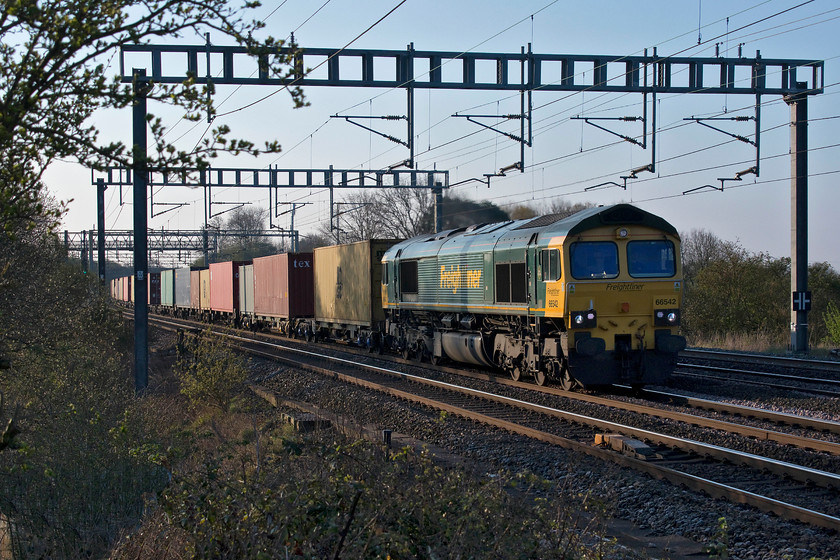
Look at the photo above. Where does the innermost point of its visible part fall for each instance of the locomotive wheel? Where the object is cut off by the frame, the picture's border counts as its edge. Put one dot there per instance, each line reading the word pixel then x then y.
pixel 515 373
pixel 567 382
pixel 435 360
pixel 406 353
pixel 539 377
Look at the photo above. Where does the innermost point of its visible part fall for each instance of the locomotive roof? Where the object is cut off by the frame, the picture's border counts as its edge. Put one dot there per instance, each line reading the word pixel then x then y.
pixel 511 234
pixel 617 215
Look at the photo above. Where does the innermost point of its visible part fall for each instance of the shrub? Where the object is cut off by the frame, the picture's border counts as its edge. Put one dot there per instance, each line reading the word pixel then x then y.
pixel 209 371
pixel 832 324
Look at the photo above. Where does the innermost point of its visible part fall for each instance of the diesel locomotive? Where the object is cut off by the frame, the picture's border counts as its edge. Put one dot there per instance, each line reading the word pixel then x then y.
pixel 591 298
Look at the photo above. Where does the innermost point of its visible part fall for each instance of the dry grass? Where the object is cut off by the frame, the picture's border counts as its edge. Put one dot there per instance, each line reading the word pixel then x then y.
pixel 776 343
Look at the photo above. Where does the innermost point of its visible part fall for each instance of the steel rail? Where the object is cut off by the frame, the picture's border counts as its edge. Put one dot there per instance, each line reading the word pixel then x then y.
pixel 747 411
pixel 712 423
pixel 789 361
pixel 712 488
pixel 782 468
pixel 770 375
pixel 812 390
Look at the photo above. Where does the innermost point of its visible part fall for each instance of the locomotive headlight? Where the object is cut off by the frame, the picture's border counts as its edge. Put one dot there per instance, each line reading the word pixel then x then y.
pixel 666 317
pixel 584 319
pixel 622 233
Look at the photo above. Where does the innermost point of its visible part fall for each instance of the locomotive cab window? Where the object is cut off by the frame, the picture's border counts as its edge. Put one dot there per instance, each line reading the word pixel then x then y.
pixel 550 265
pixel 408 277
pixel 594 259
pixel 651 259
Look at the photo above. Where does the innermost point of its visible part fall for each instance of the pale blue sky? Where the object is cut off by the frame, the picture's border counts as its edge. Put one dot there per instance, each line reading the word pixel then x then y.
pixel 755 212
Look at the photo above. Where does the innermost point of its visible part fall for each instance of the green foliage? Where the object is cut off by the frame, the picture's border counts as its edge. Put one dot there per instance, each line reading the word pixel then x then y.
pixel 354 501
pixel 832 323
pixel 730 291
pixel 71 482
pixel 56 73
pixel 209 371
pixel 738 292
pixel 824 283
pixel 719 548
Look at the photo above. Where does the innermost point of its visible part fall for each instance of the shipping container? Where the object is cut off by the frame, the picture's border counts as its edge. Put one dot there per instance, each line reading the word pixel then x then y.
pixel 246 289
pixel 195 288
pixel 284 286
pixel 348 287
pixel 167 288
pixel 224 286
pixel 204 289
pixel 153 288
pixel 183 287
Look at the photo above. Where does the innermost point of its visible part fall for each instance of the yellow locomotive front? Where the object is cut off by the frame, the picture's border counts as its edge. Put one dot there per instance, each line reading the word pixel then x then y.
pixel 620 301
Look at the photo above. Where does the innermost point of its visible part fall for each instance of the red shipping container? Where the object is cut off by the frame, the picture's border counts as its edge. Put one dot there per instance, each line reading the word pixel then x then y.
pixel 224 286
pixel 284 286
pixel 195 289
pixel 153 287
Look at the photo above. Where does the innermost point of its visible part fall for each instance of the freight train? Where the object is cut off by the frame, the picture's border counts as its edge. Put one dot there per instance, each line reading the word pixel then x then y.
pixel 592 298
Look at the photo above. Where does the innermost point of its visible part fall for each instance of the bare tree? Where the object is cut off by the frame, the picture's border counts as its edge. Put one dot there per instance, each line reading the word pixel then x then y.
pixel 563 206
pixel 392 213
pixel 700 248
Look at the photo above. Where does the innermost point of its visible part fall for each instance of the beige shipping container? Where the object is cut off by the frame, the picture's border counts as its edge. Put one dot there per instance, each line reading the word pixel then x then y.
pixel 204 289
pixel 348 280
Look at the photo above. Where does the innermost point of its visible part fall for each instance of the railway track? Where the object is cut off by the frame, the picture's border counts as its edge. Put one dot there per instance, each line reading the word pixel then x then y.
pixel 802 364
pixel 817 377
pixel 771 485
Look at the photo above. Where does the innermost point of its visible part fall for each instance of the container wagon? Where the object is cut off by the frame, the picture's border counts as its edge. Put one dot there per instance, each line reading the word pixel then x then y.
pixel 153 295
pixel 348 292
pixel 284 291
pixel 224 290
pixel 167 289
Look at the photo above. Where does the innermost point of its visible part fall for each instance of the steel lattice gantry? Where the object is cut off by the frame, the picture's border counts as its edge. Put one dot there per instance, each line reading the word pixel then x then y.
pixel 186 241
pixel 608 73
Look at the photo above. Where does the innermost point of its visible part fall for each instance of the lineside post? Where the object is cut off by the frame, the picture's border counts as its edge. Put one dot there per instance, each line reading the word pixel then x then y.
pixel 141 257
pixel 100 227
pixel 799 219
pixel 438 194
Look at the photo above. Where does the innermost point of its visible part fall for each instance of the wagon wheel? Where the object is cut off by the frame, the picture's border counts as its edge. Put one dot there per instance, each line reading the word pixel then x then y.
pixel 539 377
pixel 308 336
pixel 515 373
pixel 435 360
pixel 420 353
pixel 567 382
pixel 406 352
